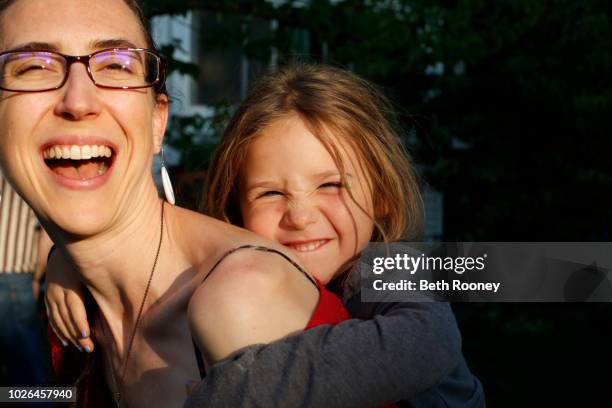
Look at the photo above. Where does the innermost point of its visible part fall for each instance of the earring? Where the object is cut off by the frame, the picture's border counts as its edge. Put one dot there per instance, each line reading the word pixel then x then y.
pixel 168 192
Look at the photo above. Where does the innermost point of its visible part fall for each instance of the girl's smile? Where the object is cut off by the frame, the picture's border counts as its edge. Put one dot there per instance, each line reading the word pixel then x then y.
pixel 293 193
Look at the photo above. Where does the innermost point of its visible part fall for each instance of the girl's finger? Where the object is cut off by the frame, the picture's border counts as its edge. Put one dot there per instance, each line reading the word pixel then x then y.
pixel 61 329
pixel 65 316
pixel 52 325
pixel 58 326
pixel 54 321
pixel 78 314
pixel 87 344
pixel 64 342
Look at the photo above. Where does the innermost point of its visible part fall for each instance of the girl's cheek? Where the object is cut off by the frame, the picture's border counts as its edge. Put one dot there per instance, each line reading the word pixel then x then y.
pixel 353 218
pixel 262 219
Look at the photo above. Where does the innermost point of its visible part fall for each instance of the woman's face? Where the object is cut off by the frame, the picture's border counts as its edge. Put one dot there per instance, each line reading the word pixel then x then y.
pixel 291 193
pixel 81 196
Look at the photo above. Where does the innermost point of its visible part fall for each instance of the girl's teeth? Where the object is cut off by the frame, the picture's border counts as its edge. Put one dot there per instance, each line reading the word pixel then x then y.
pixel 311 246
pixel 75 152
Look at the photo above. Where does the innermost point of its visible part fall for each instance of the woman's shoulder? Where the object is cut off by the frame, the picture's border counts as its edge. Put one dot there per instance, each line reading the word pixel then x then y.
pixel 250 265
pixel 205 239
pixel 202 230
pixel 248 271
pixel 257 295
pixel 233 261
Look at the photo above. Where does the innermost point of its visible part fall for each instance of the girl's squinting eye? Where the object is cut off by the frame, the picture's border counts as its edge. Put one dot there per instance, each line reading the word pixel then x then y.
pixel 332 184
pixel 269 193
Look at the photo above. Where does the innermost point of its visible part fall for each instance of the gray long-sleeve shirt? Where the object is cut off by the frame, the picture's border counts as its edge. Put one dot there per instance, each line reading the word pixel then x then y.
pixel 397 353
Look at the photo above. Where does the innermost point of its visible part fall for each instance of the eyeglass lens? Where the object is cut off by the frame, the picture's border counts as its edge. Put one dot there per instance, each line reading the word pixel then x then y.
pixel 38 70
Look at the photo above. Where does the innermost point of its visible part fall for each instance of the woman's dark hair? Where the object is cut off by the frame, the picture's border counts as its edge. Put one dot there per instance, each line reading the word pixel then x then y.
pixel 136 8
pixel 134 5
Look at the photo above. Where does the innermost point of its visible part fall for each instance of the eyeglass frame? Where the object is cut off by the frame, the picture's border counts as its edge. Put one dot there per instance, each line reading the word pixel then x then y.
pixel 158 84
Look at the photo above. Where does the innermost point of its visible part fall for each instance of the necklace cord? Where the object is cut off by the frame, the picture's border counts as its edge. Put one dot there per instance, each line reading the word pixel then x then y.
pixel 119 384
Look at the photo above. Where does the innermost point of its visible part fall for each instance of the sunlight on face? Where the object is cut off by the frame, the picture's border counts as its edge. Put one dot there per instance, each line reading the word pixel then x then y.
pixel 292 193
pixel 82 196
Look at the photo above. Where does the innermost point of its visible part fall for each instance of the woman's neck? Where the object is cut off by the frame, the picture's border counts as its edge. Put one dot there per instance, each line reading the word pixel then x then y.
pixel 116 264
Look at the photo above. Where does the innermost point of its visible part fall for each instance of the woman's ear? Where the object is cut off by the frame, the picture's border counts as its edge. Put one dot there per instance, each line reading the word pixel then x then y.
pixel 160 120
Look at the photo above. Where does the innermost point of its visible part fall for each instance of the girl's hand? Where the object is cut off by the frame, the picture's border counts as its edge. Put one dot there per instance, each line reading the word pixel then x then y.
pixel 65 305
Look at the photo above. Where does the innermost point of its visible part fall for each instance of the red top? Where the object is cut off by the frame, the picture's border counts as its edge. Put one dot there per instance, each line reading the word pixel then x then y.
pixel 329 310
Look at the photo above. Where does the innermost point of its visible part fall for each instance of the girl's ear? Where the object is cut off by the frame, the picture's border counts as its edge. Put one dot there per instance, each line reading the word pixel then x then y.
pixel 160 120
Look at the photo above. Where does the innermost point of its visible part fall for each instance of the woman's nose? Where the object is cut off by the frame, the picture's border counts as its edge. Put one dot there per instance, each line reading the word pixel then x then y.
pixel 298 216
pixel 80 96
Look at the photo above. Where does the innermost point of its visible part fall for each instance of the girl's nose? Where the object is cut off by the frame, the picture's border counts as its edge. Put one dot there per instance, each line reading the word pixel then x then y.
pixel 298 216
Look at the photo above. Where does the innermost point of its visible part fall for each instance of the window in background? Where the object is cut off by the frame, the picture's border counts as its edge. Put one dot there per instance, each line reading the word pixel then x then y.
pixel 219 51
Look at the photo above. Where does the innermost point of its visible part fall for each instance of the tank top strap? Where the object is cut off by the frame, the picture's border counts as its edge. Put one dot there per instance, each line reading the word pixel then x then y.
pixel 263 249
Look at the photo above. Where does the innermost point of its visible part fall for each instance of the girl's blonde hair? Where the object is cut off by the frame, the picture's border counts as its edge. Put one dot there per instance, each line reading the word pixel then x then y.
pixel 331 102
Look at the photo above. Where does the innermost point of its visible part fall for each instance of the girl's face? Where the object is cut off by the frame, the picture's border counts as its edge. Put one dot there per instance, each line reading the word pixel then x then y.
pixel 81 196
pixel 291 193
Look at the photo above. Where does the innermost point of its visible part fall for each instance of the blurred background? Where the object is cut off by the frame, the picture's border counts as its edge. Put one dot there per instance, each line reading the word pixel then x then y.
pixel 504 107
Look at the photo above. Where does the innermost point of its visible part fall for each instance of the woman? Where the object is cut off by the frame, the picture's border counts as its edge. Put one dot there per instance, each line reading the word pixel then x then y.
pixel 140 260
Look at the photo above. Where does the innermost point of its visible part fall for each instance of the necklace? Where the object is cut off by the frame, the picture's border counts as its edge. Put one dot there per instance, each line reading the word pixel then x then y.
pixel 118 385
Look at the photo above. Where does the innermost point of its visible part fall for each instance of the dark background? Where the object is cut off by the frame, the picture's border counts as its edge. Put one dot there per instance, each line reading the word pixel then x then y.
pixel 506 107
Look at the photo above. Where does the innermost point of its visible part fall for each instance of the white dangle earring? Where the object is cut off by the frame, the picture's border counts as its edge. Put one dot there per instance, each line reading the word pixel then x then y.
pixel 168 191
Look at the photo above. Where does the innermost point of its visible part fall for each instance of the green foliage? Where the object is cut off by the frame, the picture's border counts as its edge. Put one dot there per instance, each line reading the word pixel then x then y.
pixel 174 65
pixel 196 136
pixel 524 84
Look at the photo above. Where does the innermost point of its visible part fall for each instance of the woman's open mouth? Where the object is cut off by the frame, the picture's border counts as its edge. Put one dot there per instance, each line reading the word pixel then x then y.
pixel 79 162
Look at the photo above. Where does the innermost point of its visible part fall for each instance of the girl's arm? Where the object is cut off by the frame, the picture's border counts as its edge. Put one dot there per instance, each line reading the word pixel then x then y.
pixel 404 349
pixel 64 304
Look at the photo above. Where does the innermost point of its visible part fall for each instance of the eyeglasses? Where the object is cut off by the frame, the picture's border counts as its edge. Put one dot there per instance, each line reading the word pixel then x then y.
pixel 116 68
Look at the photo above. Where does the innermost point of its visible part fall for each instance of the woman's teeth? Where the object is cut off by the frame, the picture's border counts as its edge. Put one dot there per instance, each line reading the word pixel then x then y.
pixel 78 162
pixel 75 152
pixel 309 246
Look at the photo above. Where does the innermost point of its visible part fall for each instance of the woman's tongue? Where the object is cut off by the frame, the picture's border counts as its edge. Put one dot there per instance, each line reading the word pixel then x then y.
pixel 78 169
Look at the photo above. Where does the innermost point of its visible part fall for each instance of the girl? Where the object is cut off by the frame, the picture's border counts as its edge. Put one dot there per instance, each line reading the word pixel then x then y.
pixel 312 161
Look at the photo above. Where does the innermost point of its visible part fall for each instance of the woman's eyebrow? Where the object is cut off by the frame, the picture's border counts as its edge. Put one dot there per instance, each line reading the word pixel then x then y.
pixel 35 45
pixel 96 44
pixel 112 43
